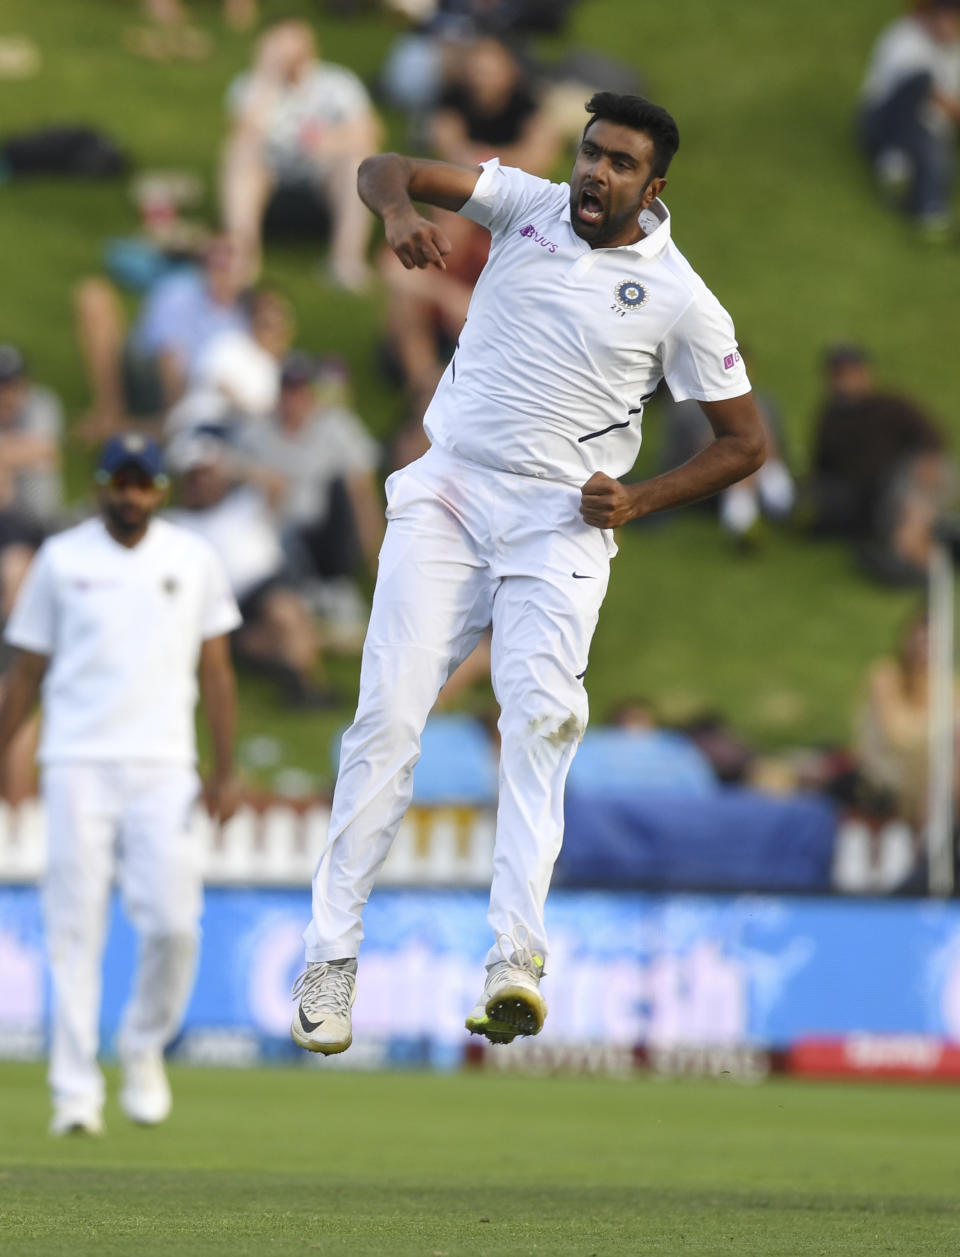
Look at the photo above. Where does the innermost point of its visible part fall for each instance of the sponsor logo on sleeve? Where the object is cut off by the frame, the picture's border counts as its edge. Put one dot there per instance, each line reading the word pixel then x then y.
pixel 730 360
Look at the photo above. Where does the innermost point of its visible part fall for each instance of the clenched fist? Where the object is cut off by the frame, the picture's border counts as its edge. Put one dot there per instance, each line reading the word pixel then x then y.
pixel 605 502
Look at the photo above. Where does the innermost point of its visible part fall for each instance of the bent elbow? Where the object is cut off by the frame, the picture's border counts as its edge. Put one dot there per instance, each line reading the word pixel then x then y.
pixel 379 161
pixel 755 454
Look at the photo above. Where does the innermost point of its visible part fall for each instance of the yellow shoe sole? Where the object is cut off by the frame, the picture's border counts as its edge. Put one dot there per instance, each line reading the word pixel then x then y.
pixel 518 1010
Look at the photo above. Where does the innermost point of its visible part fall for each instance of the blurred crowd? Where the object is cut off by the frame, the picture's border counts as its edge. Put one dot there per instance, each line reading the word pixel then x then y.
pixel 909 113
pixel 268 457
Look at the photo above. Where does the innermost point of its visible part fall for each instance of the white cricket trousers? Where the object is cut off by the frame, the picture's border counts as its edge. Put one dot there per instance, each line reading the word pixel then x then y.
pixel 467 546
pixel 129 821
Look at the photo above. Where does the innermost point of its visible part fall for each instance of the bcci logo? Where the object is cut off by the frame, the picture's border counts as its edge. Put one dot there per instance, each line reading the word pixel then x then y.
pixel 629 295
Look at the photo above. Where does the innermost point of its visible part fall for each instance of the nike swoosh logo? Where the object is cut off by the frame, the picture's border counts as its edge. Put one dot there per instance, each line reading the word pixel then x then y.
pixel 307 1024
pixel 580 576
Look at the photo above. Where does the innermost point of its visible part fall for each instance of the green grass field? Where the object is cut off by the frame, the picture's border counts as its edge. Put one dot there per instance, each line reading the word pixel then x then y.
pixel 303 1161
pixel 770 202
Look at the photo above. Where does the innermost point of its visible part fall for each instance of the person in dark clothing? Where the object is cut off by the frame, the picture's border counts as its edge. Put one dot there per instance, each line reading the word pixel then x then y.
pixel 880 472
pixel 491 106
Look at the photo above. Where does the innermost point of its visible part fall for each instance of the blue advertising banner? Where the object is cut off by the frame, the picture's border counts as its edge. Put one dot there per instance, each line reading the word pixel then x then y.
pixel 624 969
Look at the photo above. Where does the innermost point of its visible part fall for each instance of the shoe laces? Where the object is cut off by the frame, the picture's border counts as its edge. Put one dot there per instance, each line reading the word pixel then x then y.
pixel 325 987
pixel 517 951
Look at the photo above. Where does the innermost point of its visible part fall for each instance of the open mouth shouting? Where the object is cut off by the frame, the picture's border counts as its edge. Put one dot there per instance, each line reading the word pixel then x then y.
pixel 590 208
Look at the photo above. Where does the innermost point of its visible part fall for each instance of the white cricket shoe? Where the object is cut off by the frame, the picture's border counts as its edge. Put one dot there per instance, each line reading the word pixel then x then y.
pixel 326 990
pixel 145 1094
pixel 511 1002
pixel 72 1117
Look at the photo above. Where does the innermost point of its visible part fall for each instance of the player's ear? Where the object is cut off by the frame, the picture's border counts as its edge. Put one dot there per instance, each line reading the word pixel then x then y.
pixel 653 189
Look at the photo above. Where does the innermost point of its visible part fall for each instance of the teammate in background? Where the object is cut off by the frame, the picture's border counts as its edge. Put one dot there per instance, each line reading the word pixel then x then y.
pixel 114 617
pixel 584 305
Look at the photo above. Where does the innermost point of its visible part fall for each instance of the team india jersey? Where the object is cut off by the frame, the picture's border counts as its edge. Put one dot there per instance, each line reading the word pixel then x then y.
pixel 564 345
pixel 123 628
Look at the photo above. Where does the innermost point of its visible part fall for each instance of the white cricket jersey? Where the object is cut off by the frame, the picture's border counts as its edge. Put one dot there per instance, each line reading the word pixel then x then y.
pixel 564 345
pixel 123 628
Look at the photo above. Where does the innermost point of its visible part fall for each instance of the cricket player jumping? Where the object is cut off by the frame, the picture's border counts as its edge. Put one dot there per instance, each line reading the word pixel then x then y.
pixel 585 304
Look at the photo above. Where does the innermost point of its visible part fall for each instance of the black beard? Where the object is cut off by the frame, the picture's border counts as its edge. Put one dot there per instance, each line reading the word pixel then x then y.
pixel 121 522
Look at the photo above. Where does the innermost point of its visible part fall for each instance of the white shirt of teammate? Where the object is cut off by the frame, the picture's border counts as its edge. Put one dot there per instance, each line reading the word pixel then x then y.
pixel 564 345
pixel 123 627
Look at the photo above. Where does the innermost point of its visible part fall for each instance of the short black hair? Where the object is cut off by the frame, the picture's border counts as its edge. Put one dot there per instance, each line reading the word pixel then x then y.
pixel 642 115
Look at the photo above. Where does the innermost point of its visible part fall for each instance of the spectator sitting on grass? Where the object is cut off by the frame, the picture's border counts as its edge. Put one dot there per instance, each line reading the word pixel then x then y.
pixel 331 512
pixel 421 62
pixel 303 123
pixel 228 501
pixel 142 374
pixel 769 494
pixel 880 475
pixel 236 379
pixel 491 107
pixel 170 36
pixel 892 736
pixel 328 460
pixel 910 109
pixel 31 428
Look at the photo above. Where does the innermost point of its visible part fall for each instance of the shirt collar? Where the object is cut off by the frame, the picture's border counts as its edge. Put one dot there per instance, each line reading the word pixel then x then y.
pixel 656 223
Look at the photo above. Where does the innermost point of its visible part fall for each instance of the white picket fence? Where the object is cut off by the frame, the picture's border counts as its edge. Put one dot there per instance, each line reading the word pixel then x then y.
pixel 279 845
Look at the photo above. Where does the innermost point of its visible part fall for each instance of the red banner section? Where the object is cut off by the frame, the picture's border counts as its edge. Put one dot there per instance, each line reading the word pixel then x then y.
pixel 916 1058
pixel 905 1056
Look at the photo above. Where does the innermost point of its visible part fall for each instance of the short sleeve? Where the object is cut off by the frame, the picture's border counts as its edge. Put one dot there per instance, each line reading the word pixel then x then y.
pixel 699 354
pixel 504 194
pixel 220 611
pixel 33 621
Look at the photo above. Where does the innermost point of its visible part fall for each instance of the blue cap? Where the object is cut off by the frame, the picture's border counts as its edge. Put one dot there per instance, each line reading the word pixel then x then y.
pixel 132 449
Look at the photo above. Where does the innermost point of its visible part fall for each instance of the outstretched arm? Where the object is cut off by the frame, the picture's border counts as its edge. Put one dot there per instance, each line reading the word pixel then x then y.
pixel 23 685
pixel 738 449
pixel 389 184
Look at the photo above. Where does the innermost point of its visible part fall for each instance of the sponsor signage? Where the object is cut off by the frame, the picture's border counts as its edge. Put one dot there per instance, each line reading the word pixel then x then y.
pixel 730 986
